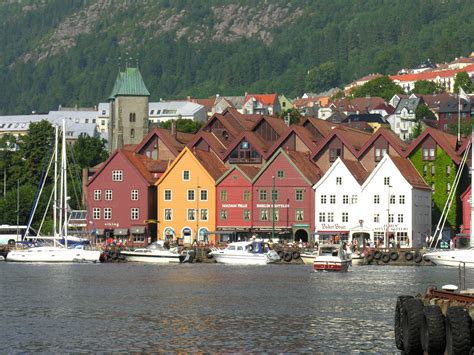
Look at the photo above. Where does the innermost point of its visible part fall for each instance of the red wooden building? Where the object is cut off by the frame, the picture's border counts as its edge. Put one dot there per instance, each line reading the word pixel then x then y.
pixel 290 176
pixel 466 212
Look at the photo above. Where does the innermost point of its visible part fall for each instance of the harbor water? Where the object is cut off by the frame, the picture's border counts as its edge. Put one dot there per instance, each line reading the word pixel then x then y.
pixel 133 307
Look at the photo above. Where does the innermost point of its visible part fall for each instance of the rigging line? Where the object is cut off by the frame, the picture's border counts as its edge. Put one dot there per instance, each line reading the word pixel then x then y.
pixel 41 183
pixel 452 192
pixel 46 211
pixel 78 177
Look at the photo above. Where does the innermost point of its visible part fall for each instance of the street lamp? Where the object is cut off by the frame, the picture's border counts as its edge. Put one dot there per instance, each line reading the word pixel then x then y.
pixel 273 207
pixel 388 217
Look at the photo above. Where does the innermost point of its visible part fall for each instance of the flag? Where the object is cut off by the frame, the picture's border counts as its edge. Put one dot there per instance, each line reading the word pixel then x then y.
pixel 463 95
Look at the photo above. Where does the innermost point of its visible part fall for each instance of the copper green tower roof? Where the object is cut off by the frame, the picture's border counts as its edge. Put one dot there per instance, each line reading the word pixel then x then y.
pixel 129 83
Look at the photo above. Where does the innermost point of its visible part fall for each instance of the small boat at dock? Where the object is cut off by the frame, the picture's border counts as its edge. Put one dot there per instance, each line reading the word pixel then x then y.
pixel 331 258
pixel 245 253
pixel 156 252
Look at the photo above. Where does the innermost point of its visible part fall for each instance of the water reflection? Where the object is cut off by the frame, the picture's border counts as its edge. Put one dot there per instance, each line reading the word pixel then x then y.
pixel 208 308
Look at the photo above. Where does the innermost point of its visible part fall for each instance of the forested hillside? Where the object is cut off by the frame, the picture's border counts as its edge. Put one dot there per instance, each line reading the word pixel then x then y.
pixel 68 52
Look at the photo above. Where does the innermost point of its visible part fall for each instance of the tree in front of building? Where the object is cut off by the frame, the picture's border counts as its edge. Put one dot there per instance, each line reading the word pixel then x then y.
pixel 294 114
pixel 89 151
pixel 416 129
pixel 423 112
pixel 463 81
pixel 426 87
pixel 382 87
pixel 183 125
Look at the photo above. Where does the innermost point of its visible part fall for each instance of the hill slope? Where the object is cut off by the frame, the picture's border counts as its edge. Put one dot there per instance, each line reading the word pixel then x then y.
pixel 69 51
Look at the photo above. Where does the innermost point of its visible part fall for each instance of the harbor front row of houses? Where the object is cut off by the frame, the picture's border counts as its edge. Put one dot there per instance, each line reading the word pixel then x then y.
pixel 300 187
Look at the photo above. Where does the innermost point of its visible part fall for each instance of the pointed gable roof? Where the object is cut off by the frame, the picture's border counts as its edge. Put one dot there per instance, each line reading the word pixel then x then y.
pixel 302 163
pixel 266 99
pixel 409 172
pixel 255 141
pixel 247 172
pixel 145 166
pixel 446 141
pixel 175 145
pixel 216 145
pixel 301 132
pixel 322 126
pixel 129 83
pixel 355 168
pixel 391 137
pixel 352 138
pixel 277 124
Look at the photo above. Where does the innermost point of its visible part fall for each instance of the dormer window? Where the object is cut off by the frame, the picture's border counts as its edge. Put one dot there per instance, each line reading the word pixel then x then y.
pixel 244 145
pixel 225 135
pixel 334 153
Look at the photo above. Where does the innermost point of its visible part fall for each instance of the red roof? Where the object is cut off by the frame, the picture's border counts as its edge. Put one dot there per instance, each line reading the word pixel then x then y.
pixel 266 99
pixel 432 74
pixel 357 170
pixel 210 161
pixel 391 137
pixel 410 173
pixel 306 166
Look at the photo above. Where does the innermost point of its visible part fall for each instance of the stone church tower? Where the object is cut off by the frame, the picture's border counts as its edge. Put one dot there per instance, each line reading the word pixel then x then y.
pixel 128 123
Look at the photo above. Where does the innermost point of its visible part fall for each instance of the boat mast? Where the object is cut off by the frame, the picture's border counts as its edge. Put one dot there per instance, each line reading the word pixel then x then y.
pixel 64 178
pixel 55 190
pixel 471 239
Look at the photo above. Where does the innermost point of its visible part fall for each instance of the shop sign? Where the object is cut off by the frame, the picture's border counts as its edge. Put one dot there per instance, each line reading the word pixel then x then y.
pixel 335 226
pixel 392 228
pixel 267 205
pixel 234 205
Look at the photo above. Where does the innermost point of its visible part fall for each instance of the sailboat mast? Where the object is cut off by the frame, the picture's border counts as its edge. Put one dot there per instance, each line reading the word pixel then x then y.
pixel 55 191
pixel 64 177
pixel 471 239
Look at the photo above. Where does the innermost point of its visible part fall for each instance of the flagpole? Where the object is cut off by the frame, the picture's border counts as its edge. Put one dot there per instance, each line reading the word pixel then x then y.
pixel 459 117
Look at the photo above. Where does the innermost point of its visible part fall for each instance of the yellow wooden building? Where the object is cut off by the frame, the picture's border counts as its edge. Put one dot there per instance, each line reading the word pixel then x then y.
pixel 187 196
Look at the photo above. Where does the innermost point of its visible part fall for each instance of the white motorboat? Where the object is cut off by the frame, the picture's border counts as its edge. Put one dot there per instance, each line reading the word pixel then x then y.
pixel 54 254
pixel 308 258
pixel 155 253
pixel 454 257
pixel 331 258
pixel 245 253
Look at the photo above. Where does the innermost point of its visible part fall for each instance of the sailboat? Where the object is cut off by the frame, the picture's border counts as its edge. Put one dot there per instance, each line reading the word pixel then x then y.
pixel 457 257
pixel 57 252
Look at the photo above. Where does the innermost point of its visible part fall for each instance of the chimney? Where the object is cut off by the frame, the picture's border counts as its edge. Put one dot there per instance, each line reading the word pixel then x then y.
pixel 173 129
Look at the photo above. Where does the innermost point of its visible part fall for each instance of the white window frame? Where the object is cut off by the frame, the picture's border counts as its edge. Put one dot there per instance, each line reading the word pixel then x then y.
pixel 193 195
pixel 184 175
pixel 206 193
pixel 134 213
pixel 109 195
pixel 171 195
pixel 97 195
pixel 117 175
pixel 171 214
pixel 134 195
pixel 96 213
pixel 207 214
pixel 107 213
pixel 187 214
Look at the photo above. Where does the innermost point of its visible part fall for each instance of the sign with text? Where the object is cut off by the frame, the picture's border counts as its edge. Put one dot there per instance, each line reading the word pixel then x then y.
pixel 266 205
pixel 234 205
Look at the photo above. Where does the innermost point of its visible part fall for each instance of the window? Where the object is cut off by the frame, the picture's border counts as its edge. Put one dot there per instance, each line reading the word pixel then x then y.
pixel 108 195
pixel 376 218
pixel 191 195
pixel 204 214
pixel 338 180
pixel 191 214
pixel 425 169
pixel 152 112
pixel 107 213
pixel 379 153
pixel 433 169
pixel 117 175
pixel 276 214
pixel 392 199
pixel 299 214
pixel 168 214
pixel 246 195
pixel 97 195
pixel 132 133
pixel 376 199
pixel 168 195
pixel 299 195
pixel 334 153
pixel 345 199
pixel 400 218
pixel 134 213
pixel 275 195
pixel 134 195
pixel 264 214
pixel 401 199
pixel 390 218
pixel 203 195
pixel 322 217
pixel 448 187
pixel 224 195
pixel 332 199
pixel 330 216
pixel 323 199
pixel 132 117
pixel 246 215
pixel 280 174
pixel 224 215
pixel 448 170
pixel 386 180
pixel 432 153
pixel 345 216
pixel 96 213
pixel 263 195
pixel 186 175
pixel 354 199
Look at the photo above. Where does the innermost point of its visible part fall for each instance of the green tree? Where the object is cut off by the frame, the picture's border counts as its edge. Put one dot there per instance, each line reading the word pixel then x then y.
pixel 89 151
pixel 295 115
pixel 322 77
pixel 382 87
pixel 423 112
pixel 417 129
pixel 462 80
pixel 426 87
pixel 183 125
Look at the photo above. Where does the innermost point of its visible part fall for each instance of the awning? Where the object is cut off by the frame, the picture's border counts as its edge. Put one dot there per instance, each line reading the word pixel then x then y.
pixel 137 230
pixel 121 231
pixel 99 231
pixel 332 232
pixel 221 232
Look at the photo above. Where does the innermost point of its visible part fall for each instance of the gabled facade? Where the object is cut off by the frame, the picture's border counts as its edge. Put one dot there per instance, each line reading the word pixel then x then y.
pixel 187 197
pixel 121 195
pixel 403 120
pixel 466 212
pixel 290 177
pixel 261 104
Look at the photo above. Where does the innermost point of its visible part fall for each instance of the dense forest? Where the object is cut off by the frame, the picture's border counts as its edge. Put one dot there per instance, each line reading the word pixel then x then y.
pixel 68 52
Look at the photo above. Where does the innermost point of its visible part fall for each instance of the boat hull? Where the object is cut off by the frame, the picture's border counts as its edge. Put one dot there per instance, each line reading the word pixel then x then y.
pixel 252 259
pixel 53 254
pixel 451 258
pixel 339 266
pixel 308 259
pixel 151 258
